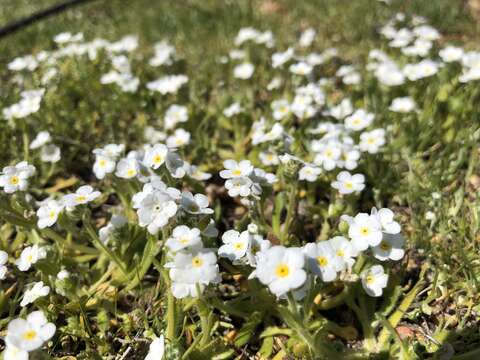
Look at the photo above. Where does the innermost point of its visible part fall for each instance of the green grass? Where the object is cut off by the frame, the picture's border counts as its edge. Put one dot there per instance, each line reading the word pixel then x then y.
pixel 436 152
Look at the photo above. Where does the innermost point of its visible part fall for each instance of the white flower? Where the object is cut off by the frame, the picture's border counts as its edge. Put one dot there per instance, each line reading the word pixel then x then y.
pixel 301 68
pixel 234 169
pixel 189 269
pixel 451 54
pixel 341 110
pixel 234 109
pixel 197 174
pixel 183 237
pixel 239 186
pixel 178 139
pixel 127 168
pixel 30 334
pixel 38 290
pixel 322 260
pixel 48 213
pixel 258 245
pixel 14 178
pixel 359 120
pixel 50 153
pixel 402 105
pixel 195 204
pixel 349 158
pixel 243 71
pixel 155 210
pixel 103 164
pixel 365 230
pixel 164 52
pixel 116 222
pixel 385 217
pixel 307 37
pixel 372 141
pixel 391 247
pixel 344 251
pixel 374 280
pixel 168 84
pixel 347 183
pixel 328 155
pixel 83 195
pixel 11 352
pixel 235 244
pixel 156 349
pixel 30 255
pixel 281 109
pixel 174 115
pixel 281 269
pixel 309 173
pixel 155 156
pixel 268 158
pixel 42 138
pixel 424 68
pixel 3 261
pixel 278 59
pixel 246 34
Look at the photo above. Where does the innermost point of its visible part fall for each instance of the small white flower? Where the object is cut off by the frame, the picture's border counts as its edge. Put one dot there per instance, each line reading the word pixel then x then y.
pixel 235 245
pixel 13 353
pixel 168 84
pixel 281 269
pixel 156 349
pixel 451 54
pixel 83 195
pixel 385 217
pixel 239 186
pixel 344 251
pixel 391 247
pixel 15 178
pixel 258 245
pixel 309 173
pixel 103 165
pixel 359 120
pixel 183 237
pixel 372 141
pixel 322 260
pixel 155 156
pixel 280 58
pixel 179 138
pixel 374 280
pixel 307 37
pixel 365 230
pixel 243 71
pixel 197 174
pixel 234 109
pixel 50 153
pixel 195 204
pixel 127 168
pixel 30 255
pixel 174 115
pixel 48 213
pixel 31 333
pixel 189 269
pixel 3 261
pixel 268 158
pixel 155 210
pixel 402 105
pixel 280 108
pixel 347 183
pixel 38 290
pixel 234 169
pixel 42 138
pixel 301 68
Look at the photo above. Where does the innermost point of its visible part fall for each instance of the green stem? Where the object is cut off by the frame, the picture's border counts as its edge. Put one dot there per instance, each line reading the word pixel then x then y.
pixel 170 316
pixel 290 212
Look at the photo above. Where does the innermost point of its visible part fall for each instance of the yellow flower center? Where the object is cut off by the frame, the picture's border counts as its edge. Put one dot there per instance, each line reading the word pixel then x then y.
pixel 340 253
pixel 385 246
pixel 322 261
pixel 371 141
pixel 14 180
pixel 157 159
pixel 282 270
pixel 81 198
pixel 183 241
pixel 102 163
pixel 349 185
pixel 329 153
pixel 131 172
pixel 29 335
pixel 364 231
pixel 370 279
pixel 29 258
pixel 356 121
pixel 237 172
pixel 52 214
pixel 238 246
pixel 197 262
